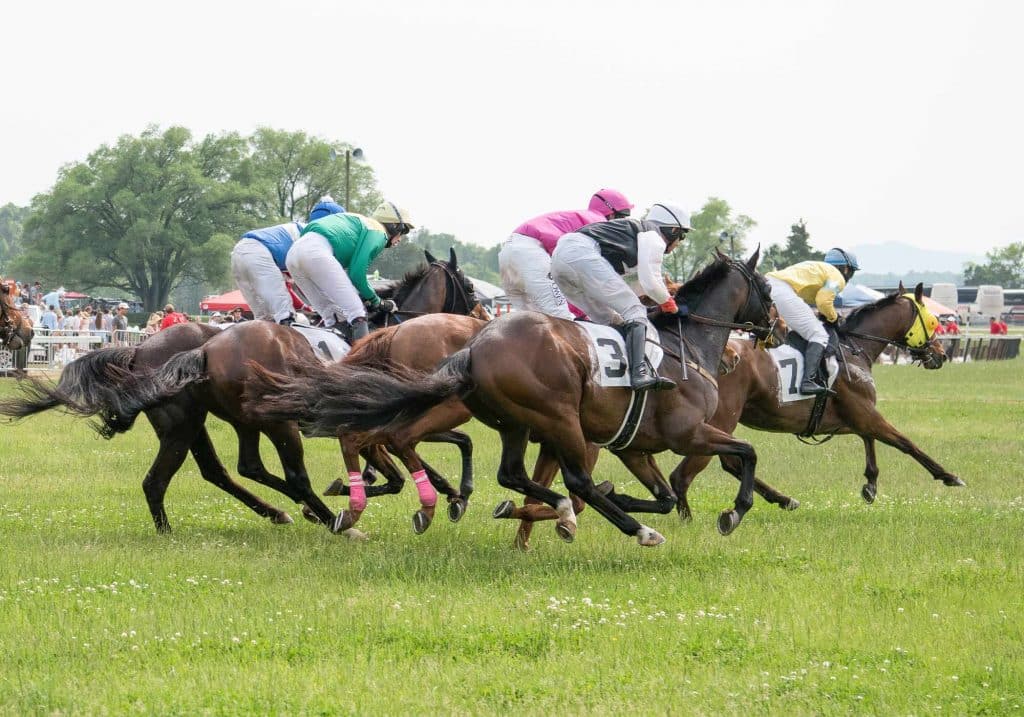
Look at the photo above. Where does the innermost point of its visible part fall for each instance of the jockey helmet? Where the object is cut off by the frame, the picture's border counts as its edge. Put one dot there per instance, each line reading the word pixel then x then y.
pixel 669 215
pixel 610 203
pixel 325 207
pixel 390 213
pixel 839 257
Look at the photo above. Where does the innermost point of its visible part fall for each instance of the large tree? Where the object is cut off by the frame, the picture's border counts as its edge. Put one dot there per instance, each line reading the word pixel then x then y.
pixel 143 214
pixel 709 224
pixel 12 219
pixel 475 260
pixel 1005 268
pixel 796 249
pixel 295 170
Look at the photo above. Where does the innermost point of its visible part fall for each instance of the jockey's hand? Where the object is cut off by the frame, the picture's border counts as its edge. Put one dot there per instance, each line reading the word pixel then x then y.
pixel 387 306
pixel 669 307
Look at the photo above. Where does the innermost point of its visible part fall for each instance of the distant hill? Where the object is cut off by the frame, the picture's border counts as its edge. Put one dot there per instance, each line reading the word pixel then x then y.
pixel 898 258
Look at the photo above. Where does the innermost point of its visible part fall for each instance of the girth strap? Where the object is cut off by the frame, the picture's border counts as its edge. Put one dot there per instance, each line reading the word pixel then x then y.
pixel 630 423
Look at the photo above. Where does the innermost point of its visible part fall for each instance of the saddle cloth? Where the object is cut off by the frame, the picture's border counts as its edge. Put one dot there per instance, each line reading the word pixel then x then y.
pixel 327 345
pixel 608 354
pixel 789 364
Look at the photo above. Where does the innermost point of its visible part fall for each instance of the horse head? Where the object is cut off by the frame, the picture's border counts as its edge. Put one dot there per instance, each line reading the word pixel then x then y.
pixel 436 287
pixel 900 319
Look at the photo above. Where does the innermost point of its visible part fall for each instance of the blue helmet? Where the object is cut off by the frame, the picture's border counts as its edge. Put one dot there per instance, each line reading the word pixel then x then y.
pixel 325 207
pixel 839 257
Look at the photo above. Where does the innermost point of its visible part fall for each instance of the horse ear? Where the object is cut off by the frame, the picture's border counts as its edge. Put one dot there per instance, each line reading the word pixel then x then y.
pixel 918 292
pixel 430 257
pixel 453 261
pixel 754 259
pixel 901 291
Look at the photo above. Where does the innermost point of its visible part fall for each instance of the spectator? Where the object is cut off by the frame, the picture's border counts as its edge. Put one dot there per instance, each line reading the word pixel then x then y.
pixel 994 326
pixel 172 317
pixel 216 318
pixel 952 329
pixel 34 292
pixel 236 315
pixel 49 319
pixel 119 324
pixel 153 323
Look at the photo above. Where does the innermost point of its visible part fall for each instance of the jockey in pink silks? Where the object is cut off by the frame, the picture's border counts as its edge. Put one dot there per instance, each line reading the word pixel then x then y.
pixel 525 258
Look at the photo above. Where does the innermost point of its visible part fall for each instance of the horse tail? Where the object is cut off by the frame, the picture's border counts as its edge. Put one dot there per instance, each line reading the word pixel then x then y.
pixel 375 350
pixel 87 386
pixel 346 398
pixel 142 391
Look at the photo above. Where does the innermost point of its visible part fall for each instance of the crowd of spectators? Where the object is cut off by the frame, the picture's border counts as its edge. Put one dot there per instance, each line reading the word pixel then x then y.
pixel 997 327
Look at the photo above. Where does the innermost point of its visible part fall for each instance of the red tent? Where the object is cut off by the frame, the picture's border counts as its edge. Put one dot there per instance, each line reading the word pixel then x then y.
pixel 224 302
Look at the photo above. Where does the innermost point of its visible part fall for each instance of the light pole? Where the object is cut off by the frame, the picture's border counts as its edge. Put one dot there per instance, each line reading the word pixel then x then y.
pixel 350 154
pixel 731 236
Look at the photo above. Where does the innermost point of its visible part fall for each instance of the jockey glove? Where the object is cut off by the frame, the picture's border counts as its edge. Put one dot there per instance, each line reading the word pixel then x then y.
pixel 669 307
pixel 387 305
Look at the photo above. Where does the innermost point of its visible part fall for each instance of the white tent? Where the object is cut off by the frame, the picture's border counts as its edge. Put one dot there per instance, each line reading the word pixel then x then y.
pixel 487 292
pixel 855 295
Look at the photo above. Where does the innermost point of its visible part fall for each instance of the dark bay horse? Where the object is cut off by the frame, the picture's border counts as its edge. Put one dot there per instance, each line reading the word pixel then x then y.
pixel 749 394
pixel 166 377
pixel 529 373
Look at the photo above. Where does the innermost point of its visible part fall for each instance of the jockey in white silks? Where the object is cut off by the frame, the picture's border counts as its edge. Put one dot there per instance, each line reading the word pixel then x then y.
pixel 591 267
pixel 795 289
pixel 525 257
pixel 258 265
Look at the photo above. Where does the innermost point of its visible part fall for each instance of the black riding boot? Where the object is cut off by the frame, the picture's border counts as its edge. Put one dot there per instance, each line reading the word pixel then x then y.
pixel 813 383
pixel 642 377
pixel 359 328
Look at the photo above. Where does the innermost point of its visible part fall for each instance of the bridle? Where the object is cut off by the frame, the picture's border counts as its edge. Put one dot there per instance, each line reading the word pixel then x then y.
pixel 918 353
pixel 755 292
pixel 454 292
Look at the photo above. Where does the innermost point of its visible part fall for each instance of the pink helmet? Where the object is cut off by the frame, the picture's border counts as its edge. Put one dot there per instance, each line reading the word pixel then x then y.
pixel 611 203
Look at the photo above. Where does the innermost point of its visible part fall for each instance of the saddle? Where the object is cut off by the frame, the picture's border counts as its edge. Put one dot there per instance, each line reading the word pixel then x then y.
pixel 818 409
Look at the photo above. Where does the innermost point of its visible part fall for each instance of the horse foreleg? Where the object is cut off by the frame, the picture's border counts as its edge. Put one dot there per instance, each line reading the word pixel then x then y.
pixel 174 445
pixel 465 446
pixel 879 429
pixel 681 478
pixel 706 440
pixel 734 468
pixel 870 489
pixel 286 440
pixel 213 471
pixel 644 468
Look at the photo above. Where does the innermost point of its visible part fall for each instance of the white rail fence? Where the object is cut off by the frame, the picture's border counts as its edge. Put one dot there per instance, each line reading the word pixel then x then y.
pixel 52 350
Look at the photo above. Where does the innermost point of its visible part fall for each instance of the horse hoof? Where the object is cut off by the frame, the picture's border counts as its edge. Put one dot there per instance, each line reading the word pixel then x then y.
pixel 355 534
pixel 504 509
pixel 521 543
pixel 791 504
pixel 370 475
pixel 685 516
pixel 309 515
pixel 566 530
pixel 420 522
pixel 338 487
pixel 868 493
pixel 456 509
pixel 605 487
pixel 952 481
pixel 281 518
pixel 649 537
pixel 728 520
pixel 345 520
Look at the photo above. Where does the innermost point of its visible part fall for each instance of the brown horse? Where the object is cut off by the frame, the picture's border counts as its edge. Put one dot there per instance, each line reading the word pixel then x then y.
pixel 15 328
pixel 529 373
pixel 167 378
pixel 750 395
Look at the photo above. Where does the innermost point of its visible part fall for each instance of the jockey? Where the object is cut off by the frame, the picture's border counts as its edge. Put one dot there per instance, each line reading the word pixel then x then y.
pixel 330 259
pixel 258 260
pixel 797 287
pixel 524 260
pixel 592 264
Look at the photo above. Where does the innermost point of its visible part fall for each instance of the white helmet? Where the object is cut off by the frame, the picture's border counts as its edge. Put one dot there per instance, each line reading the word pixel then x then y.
pixel 390 213
pixel 669 215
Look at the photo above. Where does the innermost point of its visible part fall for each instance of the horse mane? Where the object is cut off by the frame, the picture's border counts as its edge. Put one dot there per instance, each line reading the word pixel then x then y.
pixel 699 282
pixel 404 286
pixel 857 316
pixel 374 350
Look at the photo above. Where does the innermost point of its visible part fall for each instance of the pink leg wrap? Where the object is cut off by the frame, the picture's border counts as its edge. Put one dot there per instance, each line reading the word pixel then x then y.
pixel 428 496
pixel 356 491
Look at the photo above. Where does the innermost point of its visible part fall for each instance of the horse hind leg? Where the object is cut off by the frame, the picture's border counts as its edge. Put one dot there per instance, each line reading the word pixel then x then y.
pixel 733 466
pixel 870 489
pixel 174 446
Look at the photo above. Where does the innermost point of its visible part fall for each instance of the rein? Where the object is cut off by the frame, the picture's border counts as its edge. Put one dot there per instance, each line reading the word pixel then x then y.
pixel 754 289
pixel 899 343
pixel 451 297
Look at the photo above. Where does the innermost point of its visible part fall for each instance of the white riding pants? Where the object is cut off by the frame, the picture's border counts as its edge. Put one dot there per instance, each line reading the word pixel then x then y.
pixel 323 279
pixel 525 269
pixel 260 280
pixel 796 313
pixel 589 282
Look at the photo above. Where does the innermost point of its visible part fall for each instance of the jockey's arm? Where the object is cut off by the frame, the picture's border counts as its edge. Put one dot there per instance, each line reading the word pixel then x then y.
pixel 367 250
pixel 650 251
pixel 825 300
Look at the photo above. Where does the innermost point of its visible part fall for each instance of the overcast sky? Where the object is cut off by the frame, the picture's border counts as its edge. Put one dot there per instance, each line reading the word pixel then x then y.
pixel 874 121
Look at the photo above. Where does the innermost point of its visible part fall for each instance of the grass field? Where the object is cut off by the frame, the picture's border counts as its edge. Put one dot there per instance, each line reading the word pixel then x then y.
pixel 908 606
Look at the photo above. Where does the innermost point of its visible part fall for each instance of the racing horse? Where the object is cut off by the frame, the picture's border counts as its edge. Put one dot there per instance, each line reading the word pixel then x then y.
pixel 750 394
pixel 15 328
pixel 117 384
pixel 532 374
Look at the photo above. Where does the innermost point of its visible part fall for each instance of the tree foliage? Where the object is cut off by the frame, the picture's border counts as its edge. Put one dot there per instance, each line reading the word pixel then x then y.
pixel 475 260
pixel 796 249
pixel 159 209
pixel 12 219
pixel 714 218
pixel 1005 268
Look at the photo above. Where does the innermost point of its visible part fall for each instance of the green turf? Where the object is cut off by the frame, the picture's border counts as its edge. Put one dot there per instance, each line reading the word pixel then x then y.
pixel 908 606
